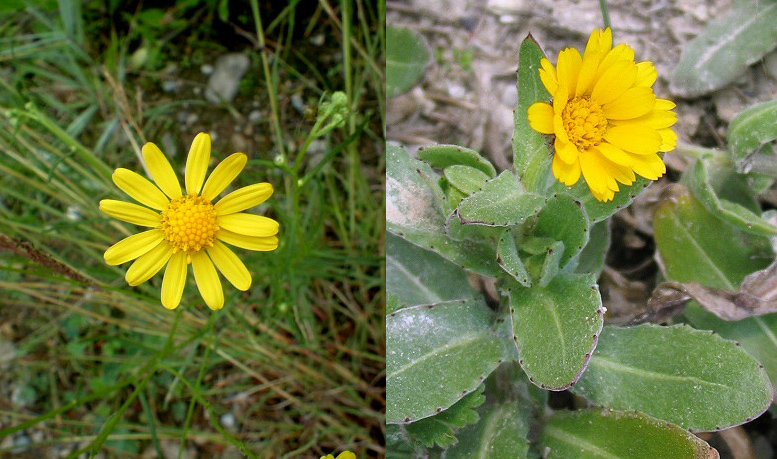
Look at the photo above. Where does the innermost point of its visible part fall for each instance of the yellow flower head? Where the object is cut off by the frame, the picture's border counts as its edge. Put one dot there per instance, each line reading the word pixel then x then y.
pixel 607 121
pixel 343 455
pixel 189 228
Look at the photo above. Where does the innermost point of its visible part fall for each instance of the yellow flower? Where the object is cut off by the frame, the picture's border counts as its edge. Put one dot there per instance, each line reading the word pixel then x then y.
pixel 607 121
pixel 343 455
pixel 189 228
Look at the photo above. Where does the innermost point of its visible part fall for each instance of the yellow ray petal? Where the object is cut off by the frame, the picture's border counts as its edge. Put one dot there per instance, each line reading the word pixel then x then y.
pixel 634 138
pixel 130 213
pixel 622 52
pixel 149 264
pixel 260 244
pixel 559 102
pixel 604 196
pixel 197 163
pixel 668 140
pixel 655 119
pixel 594 173
pixel 133 247
pixel 649 166
pixel 567 152
pixel 548 76
pixel 614 82
pixel 633 103
pixel 161 171
pixel 223 175
pixel 622 174
pixel 663 104
pixel 646 74
pixel 249 224
pixel 567 69
pixel 587 75
pixel 568 174
pixel 244 198
pixel 613 153
pixel 600 42
pixel 541 118
pixel 140 189
pixel 174 280
pixel 230 266
pixel 208 282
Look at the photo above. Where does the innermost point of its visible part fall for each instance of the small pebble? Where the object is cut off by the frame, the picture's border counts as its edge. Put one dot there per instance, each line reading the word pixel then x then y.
pixel 255 116
pixel 170 85
pixel 228 421
pixel 206 69
pixel 317 40
pixel 298 103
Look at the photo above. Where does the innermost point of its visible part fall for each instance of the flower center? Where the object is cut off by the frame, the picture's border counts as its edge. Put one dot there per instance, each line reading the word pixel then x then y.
pixel 584 122
pixel 190 224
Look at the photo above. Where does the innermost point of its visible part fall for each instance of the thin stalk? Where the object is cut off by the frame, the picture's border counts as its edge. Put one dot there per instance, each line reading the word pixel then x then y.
pixel 605 13
pixel 275 117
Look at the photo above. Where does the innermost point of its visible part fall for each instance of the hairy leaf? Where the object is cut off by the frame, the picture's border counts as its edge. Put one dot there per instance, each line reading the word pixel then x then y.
pixel 614 435
pixel 725 48
pixel 437 354
pixel 556 328
pixel 688 377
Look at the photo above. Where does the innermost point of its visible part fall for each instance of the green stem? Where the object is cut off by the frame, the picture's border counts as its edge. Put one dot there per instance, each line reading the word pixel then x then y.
pixel 268 77
pixel 200 375
pixel 353 157
pixel 605 13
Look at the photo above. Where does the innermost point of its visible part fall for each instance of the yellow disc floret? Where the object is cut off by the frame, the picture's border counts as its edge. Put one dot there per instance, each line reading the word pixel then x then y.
pixel 584 122
pixel 190 224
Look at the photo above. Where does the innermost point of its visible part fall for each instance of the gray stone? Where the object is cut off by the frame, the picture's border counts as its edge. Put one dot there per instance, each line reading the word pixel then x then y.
pixel 255 116
pixel 224 83
pixel 728 102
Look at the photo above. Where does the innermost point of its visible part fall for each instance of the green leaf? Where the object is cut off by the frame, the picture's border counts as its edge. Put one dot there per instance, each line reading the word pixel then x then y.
pixel 501 202
pixel 416 276
pixel 750 129
pixel 556 328
pixel 414 211
pixel 400 446
pixel 435 355
pixel 515 407
pixel 444 156
pixel 508 258
pixel 563 219
pixel 500 434
pixel 611 434
pixel 441 429
pixel 688 377
pixel 730 212
pixel 594 253
pixel 406 57
pixel 595 210
pixel 466 179
pixel 543 260
pixel 756 334
pixel 696 247
pixel 725 48
pixel 531 156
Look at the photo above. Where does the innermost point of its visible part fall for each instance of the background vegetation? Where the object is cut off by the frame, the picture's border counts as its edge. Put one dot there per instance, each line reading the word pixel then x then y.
pixel 90 367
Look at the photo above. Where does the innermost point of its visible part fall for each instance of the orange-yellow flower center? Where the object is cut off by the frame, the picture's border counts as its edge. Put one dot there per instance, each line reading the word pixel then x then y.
pixel 584 121
pixel 190 223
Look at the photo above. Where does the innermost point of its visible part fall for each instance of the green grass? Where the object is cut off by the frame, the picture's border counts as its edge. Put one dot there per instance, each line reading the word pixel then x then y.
pixel 99 366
